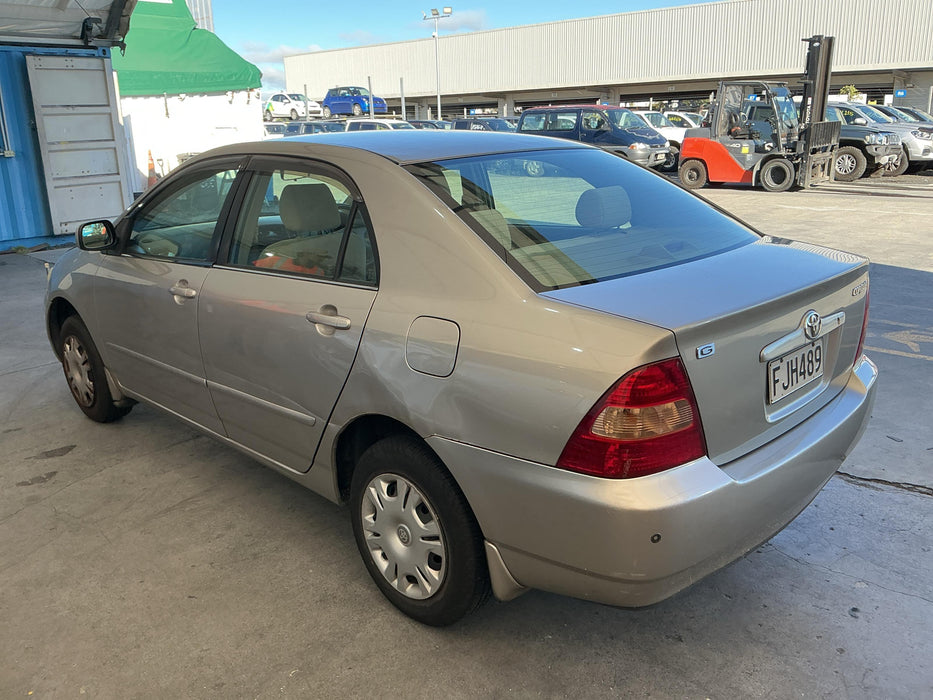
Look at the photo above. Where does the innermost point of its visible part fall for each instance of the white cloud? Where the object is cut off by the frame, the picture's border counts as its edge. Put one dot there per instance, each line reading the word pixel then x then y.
pixel 257 52
pixel 273 77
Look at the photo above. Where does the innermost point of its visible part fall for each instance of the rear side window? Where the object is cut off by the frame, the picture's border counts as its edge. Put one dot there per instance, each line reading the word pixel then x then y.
pixel 563 218
pixel 550 121
pixel 303 223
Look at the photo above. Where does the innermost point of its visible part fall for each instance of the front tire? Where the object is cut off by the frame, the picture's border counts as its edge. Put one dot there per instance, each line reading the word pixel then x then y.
pixel 777 175
pixel 416 533
pixel 900 165
pixel 294 115
pixel 850 164
pixel 670 162
pixel 357 110
pixel 326 112
pixel 84 372
pixel 692 174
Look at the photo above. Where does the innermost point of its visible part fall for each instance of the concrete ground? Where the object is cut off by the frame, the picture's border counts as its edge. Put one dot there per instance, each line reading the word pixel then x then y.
pixel 140 559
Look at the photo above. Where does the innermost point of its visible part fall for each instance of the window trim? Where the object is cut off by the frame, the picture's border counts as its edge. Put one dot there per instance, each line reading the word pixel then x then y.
pixel 181 178
pixel 312 166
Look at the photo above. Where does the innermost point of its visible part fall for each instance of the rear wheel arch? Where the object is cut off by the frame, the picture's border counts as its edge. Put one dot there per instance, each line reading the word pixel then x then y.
pixel 357 437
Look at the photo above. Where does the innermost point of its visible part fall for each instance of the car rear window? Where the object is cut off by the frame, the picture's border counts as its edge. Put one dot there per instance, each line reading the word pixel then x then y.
pixel 563 218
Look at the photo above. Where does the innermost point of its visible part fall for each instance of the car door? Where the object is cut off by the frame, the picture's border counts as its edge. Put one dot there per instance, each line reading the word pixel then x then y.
pixel 146 295
pixel 343 102
pixel 283 315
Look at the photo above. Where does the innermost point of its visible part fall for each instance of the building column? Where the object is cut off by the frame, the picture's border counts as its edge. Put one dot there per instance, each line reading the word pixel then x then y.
pixel 507 106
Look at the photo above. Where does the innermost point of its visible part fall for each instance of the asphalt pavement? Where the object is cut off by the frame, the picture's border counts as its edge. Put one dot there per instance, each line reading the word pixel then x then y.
pixel 140 559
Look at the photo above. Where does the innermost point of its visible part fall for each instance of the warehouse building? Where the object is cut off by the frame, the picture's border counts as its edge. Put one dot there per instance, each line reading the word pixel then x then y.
pixel 883 47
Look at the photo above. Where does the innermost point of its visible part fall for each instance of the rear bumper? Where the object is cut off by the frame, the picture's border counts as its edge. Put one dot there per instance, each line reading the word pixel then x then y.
pixel 636 542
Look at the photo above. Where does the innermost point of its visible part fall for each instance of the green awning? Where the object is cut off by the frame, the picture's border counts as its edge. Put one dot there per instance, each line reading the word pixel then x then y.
pixel 166 53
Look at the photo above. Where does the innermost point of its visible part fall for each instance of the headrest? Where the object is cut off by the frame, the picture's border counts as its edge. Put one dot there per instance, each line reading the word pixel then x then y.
pixel 495 223
pixel 604 207
pixel 308 208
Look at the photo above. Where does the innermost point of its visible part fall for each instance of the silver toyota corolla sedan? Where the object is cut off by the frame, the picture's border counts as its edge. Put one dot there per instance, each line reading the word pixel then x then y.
pixel 522 362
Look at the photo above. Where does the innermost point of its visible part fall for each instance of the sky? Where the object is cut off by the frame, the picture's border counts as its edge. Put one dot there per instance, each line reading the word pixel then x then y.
pixel 263 32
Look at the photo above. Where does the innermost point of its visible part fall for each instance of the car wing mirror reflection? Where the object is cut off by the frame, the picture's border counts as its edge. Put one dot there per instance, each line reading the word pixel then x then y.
pixel 96 235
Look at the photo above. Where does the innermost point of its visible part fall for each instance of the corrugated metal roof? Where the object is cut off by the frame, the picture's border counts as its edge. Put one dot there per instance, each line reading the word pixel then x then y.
pixel 61 21
pixel 690 43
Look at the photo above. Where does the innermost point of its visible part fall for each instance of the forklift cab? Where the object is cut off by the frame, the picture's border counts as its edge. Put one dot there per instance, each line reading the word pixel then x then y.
pixel 755 118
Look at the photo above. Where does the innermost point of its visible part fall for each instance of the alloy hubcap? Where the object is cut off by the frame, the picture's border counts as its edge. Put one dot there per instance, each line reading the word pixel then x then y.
pixel 77 367
pixel 403 536
pixel 845 164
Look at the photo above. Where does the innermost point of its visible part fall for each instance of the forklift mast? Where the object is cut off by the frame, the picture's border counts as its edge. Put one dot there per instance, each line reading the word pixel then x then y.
pixel 819 138
pixel 816 79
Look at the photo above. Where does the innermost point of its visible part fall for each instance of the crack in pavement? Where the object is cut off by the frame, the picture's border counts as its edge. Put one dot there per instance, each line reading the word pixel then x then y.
pixel 831 570
pixel 901 485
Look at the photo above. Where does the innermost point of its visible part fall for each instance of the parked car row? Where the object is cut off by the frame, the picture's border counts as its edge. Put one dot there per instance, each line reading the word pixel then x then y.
pixel 915 130
pixel 350 100
pixel 873 138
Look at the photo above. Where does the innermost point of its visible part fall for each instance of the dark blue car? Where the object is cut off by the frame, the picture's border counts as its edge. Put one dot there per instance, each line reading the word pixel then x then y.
pixel 351 100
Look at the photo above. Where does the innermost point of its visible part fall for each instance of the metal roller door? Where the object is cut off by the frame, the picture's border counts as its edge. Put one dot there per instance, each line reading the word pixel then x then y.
pixel 80 138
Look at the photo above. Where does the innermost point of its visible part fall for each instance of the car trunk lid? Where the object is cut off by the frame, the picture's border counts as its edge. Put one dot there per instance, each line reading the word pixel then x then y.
pixel 740 319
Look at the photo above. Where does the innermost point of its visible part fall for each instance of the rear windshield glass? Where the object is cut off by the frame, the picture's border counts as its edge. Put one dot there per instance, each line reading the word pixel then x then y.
pixel 568 217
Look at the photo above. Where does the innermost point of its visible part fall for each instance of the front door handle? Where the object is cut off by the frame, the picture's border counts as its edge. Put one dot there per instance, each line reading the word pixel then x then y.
pixel 181 289
pixel 322 318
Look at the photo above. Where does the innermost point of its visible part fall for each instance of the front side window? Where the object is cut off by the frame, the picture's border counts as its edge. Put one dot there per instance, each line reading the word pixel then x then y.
pixel 567 217
pixel 303 223
pixel 624 119
pixel 183 222
pixel 594 121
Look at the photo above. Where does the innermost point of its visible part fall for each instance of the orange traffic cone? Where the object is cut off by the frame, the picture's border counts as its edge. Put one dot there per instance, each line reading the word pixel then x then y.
pixel 153 178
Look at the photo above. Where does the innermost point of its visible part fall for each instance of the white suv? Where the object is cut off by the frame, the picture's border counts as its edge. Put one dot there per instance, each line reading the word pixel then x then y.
pixel 674 134
pixel 290 105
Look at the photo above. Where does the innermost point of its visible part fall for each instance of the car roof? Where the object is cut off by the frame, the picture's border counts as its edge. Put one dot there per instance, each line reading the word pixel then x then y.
pixel 573 106
pixel 405 146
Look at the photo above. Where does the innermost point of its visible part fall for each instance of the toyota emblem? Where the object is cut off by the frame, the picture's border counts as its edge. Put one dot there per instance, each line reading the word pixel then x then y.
pixel 812 323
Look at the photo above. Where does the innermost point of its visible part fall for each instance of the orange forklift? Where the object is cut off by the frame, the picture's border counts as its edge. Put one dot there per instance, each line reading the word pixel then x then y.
pixel 755 135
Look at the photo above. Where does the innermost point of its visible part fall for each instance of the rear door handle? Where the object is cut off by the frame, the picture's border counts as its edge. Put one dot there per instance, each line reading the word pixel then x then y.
pixel 183 290
pixel 322 318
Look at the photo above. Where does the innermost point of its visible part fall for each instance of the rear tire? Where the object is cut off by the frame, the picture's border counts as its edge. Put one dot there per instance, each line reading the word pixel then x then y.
pixel 692 174
pixel 267 116
pixel 357 110
pixel 850 164
pixel 534 168
pixel 900 165
pixel 84 372
pixel 327 113
pixel 777 175
pixel 416 533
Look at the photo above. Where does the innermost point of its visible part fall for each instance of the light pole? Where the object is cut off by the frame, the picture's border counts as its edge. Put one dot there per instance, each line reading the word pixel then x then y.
pixel 435 16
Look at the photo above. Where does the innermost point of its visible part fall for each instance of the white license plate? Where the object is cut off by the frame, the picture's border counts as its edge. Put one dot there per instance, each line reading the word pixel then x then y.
pixel 794 370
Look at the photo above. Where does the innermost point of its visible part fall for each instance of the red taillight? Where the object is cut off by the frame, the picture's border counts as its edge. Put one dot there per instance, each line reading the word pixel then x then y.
pixel 861 338
pixel 646 423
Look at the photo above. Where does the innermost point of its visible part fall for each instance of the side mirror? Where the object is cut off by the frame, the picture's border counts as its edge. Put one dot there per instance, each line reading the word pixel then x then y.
pixel 96 235
pixel 860 121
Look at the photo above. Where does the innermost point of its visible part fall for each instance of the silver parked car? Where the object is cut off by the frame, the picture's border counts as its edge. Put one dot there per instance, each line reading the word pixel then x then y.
pixel 587 381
